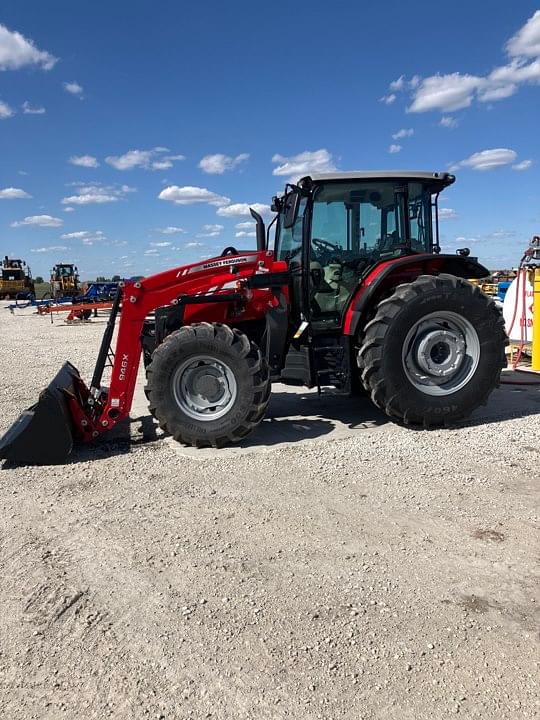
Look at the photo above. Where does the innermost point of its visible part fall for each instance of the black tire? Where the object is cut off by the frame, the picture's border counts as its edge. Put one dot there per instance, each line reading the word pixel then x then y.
pixel 380 358
pixel 242 357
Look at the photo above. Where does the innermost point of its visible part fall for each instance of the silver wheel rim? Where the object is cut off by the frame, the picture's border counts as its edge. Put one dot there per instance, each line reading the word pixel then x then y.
pixel 204 388
pixel 441 353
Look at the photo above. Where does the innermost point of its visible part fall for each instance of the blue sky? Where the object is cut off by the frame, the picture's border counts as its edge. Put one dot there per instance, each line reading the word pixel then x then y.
pixel 105 107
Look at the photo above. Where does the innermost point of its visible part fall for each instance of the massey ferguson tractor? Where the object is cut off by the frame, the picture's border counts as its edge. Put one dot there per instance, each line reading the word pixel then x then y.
pixel 352 293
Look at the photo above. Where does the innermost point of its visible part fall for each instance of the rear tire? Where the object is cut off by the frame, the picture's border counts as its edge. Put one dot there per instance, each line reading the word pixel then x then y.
pixel 208 385
pixel 433 352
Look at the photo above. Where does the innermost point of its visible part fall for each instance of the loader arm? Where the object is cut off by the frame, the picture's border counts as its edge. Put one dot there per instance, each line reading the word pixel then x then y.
pixel 222 293
pixel 233 288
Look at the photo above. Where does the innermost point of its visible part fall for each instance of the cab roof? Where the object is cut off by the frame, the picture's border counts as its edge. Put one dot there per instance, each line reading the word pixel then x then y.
pixel 435 180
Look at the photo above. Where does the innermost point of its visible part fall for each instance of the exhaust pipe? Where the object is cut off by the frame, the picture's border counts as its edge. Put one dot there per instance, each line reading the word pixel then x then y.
pixel 261 234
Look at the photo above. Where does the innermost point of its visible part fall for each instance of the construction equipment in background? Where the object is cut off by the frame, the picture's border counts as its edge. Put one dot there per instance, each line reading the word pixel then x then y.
pixel 354 293
pixel 16 280
pixel 65 281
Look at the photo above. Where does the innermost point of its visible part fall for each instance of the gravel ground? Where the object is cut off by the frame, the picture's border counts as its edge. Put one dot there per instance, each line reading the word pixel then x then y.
pixel 386 573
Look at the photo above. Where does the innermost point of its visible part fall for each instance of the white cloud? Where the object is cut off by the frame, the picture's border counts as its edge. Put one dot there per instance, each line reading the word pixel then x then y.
pixel 445 93
pixel 394 149
pixel 73 87
pixel 211 231
pixel 497 93
pixel 130 160
pixel 11 193
pixel 523 165
pixel 488 159
pixel 397 84
pixel 245 233
pixel 403 133
pixel 83 235
pixel 97 194
pixel 16 52
pixel 448 121
pixel 147 159
pixel 388 99
pixel 193 244
pixel 6 111
pixel 526 42
pixel 69 209
pixel 242 209
pixel 151 252
pixel 51 248
pixel 30 110
pixel 189 195
pixel 217 164
pixel 87 161
pixel 447 214
pixel 305 163
pixel 39 220
pixel 160 244
pixel 161 165
pixel 171 230
pixel 248 225
pixel 455 91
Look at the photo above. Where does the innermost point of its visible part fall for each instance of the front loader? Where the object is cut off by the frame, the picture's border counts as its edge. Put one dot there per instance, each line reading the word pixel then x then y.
pixel 65 281
pixel 353 293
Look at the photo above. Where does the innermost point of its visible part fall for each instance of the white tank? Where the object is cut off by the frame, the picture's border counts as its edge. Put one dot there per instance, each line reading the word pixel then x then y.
pixel 522 320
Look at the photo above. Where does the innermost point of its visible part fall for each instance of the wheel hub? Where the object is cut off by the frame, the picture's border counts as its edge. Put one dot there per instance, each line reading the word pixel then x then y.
pixel 204 388
pixel 441 353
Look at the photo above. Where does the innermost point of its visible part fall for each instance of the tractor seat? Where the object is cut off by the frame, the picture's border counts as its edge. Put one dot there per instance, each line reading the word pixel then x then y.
pixel 329 295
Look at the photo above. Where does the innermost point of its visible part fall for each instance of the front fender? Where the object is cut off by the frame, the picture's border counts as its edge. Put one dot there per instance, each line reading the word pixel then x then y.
pixel 390 273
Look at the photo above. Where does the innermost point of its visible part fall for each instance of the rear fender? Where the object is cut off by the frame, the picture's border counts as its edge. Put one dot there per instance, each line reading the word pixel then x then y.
pixel 384 277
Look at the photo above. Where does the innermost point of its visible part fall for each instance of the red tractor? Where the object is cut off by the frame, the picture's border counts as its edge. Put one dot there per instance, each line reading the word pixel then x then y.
pixel 353 293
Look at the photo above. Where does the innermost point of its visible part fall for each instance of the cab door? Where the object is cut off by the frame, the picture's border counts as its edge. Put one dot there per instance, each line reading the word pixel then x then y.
pixel 290 248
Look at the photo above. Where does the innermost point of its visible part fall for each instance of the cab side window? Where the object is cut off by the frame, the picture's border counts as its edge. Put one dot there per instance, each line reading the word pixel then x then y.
pixel 289 243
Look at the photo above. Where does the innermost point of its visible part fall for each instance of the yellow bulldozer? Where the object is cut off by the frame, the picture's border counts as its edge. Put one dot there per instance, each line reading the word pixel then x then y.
pixel 16 279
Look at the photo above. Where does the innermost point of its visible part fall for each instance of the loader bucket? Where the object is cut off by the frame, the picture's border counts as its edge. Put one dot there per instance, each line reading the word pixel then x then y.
pixel 42 435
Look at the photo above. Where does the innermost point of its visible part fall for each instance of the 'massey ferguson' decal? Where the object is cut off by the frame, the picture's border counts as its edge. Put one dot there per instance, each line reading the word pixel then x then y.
pixel 233 260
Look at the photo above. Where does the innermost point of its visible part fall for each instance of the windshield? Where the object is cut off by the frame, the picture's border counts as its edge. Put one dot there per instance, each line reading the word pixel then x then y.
pixel 370 220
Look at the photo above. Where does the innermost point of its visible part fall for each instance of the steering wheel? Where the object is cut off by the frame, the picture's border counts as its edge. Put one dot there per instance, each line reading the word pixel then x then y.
pixel 325 245
pixel 229 251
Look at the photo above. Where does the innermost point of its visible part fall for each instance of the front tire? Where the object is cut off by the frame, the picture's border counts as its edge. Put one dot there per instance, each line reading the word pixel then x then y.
pixel 208 385
pixel 433 352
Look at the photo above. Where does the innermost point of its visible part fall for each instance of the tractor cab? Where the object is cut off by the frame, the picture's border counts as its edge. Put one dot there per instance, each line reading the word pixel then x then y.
pixel 332 229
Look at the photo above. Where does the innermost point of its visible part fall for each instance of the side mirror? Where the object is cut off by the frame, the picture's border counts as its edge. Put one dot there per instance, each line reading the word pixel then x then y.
pixel 292 205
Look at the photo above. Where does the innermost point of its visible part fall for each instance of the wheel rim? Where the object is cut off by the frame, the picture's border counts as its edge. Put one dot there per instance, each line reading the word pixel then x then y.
pixel 441 353
pixel 204 388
